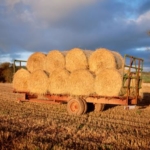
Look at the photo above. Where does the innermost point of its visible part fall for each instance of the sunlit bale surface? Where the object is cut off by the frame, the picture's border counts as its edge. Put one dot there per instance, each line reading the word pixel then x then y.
pixel 54 60
pixel 108 82
pixel 36 61
pixel 20 80
pixel 58 82
pixel 76 59
pixel 81 82
pixel 103 58
pixel 38 82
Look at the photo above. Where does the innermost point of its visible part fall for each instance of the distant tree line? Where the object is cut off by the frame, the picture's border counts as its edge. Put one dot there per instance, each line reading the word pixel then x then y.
pixel 7 71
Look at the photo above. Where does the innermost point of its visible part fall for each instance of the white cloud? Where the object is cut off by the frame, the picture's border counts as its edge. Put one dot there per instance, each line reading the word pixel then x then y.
pixel 5 58
pixel 144 18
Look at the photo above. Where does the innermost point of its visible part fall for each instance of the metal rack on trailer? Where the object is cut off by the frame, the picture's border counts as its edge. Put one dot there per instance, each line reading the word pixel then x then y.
pixel 77 105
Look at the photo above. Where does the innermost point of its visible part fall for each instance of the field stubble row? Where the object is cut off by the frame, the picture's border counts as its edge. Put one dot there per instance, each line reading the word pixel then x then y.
pixel 42 126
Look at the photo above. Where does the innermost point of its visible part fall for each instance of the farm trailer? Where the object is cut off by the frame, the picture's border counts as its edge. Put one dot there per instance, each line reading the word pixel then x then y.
pixel 77 105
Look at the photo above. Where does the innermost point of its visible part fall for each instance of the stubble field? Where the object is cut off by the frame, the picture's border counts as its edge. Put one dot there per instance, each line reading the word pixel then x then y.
pixel 36 126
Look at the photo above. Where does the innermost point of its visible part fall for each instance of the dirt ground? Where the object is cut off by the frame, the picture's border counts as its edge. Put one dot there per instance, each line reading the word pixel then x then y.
pixel 36 126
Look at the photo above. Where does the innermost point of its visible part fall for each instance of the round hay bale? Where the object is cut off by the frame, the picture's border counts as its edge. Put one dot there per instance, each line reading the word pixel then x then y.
pixel 54 60
pixel 36 61
pixel 58 82
pixel 76 60
pixel 20 80
pixel 38 82
pixel 81 82
pixel 103 58
pixel 119 60
pixel 108 82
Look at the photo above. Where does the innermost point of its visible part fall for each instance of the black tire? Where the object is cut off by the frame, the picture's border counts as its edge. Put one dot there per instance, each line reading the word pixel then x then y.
pixel 99 107
pixel 75 107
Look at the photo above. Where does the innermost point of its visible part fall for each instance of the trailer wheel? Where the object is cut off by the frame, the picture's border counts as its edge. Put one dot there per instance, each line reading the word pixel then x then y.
pixel 85 106
pixel 99 107
pixel 75 107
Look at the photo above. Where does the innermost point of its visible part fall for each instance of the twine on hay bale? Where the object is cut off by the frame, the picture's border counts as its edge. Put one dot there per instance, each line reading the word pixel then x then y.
pixel 81 82
pixel 38 82
pixel 103 58
pixel 36 61
pixel 58 82
pixel 54 60
pixel 108 82
pixel 20 80
pixel 76 60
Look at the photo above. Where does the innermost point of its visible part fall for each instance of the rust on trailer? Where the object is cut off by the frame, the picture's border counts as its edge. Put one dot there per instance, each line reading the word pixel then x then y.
pixel 57 99
pixel 65 98
pixel 112 100
pixel 40 101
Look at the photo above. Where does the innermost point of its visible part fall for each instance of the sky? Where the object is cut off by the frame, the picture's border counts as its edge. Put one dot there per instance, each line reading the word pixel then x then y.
pixel 28 26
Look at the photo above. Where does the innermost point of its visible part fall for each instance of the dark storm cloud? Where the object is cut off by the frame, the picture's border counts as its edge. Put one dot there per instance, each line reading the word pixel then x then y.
pixel 29 26
pixel 144 7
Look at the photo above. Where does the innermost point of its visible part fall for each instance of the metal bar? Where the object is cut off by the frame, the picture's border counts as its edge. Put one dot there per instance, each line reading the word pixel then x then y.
pixel 132 67
pixel 134 57
pixel 20 60
pixel 58 97
pixel 109 101
pixel 41 101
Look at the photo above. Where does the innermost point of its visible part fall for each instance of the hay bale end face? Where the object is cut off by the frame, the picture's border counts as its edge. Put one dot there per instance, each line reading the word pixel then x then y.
pixel 36 61
pixel 102 58
pixel 81 82
pixel 119 60
pixel 58 82
pixel 20 80
pixel 54 60
pixel 38 82
pixel 108 82
pixel 76 60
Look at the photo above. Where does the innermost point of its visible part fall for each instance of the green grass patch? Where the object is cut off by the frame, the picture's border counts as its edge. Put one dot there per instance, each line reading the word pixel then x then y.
pixel 146 77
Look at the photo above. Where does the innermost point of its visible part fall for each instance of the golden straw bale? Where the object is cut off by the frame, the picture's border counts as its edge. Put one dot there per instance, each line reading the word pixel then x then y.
pixel 76 59
pixel 103 58
pixel 81 82
pixel 108 82
pixel 20 80
pixel 36 61
pixel 38 82
pixel 54 60
pixel 58 82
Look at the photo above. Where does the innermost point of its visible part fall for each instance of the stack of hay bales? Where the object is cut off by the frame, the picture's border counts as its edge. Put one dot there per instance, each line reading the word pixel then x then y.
pixel 75 72
pixel 106 65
